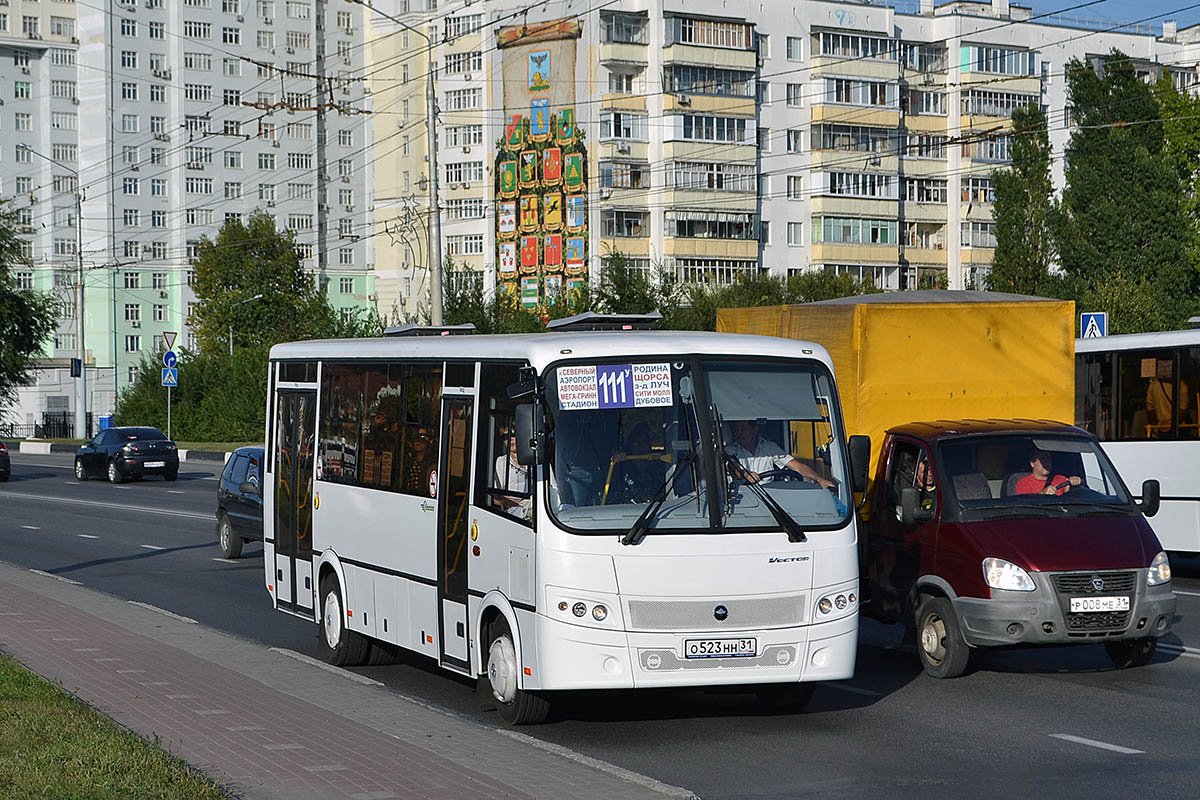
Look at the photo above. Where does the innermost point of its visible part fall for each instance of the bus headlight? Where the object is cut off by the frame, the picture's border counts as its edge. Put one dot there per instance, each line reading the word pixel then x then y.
pixel 1160 571
pixel 599 613
pixel 579 609
pixel 1001 574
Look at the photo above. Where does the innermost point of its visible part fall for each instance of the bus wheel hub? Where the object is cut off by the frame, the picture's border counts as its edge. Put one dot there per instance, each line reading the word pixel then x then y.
pixel 502 669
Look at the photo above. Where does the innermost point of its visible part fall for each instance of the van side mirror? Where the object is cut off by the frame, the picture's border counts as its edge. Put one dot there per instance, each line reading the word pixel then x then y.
pixel 860 461
pixel 1150 495
pixel 530 433
pixel 910 514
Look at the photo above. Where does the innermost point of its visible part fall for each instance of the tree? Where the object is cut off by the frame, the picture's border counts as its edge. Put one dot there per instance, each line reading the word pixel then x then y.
pixel 698 312
pixel 1121 225
pixel 1022 209
pixel 256 259
pixel 26 317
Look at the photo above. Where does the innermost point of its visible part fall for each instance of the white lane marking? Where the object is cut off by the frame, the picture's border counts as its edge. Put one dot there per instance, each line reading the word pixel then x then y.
pixel 31 527
pixel 1116 748
pixel 152 547
pixel 175 491
pixel 1187 652
pixel 164 612
pixel 328 668
pixel 86 536
pixel 228 560
pixel 1189 594
pixel 119 506
pixel 852 689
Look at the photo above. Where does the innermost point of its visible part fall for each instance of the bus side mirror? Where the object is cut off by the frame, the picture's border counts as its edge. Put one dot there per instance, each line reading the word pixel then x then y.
pixel 860 458
pixel 910 514
pixel 1150 494
pixel 531 435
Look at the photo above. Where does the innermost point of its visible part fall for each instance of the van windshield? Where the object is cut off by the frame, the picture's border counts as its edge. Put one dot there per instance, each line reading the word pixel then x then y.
pixel 1020 471
pixel 676 444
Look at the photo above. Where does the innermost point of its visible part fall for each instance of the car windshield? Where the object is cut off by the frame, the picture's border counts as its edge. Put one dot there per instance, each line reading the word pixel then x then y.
pixel 1006 472
pixel 644 437
pixel 142 434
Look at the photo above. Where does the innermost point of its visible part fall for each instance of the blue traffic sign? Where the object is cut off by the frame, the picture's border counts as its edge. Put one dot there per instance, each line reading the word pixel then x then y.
pixel 170 376
pixel 170 359
pixel 1093 325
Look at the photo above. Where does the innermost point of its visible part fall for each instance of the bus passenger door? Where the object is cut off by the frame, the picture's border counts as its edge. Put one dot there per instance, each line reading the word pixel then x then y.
pixel 295 431
pixel 453 527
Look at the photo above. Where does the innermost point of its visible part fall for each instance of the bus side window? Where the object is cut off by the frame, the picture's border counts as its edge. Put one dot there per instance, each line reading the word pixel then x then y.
pixel 502 485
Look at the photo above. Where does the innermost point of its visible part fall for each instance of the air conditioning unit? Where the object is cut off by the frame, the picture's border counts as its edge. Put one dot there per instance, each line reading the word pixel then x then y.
pixel 135 324
pixel 291 50
pixel 350 209
pixel 452 185
pixel 346 61
pixel 270 204
pixel 366 90
pixel 75 100
pixel 24 70
pixel 267 20
pixel 683 100
pixel 466 148
pixel 275 143
pixel 162 294
pixel 605 194
pixel 466 76
pixel 623 147
pixel 323 207
pixel 133 167
pixel 348 31
pixel 240 18
pixel 345 179
pixel 371 297
pixel 74 40
pixel 927 80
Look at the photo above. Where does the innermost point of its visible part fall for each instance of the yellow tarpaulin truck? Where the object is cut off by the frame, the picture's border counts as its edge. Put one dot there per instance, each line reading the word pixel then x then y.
pixel 994 521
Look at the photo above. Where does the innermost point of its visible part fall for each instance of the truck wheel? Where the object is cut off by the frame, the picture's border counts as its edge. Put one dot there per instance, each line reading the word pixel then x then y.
pixel 230 542
pixel 515 706
pixel 940 644
pixel 338 646
pixel 1131 652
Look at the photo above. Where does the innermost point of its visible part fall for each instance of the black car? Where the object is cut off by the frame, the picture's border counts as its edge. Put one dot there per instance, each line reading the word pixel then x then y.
pixel 120 453
pixel 5 464
pixel 239 501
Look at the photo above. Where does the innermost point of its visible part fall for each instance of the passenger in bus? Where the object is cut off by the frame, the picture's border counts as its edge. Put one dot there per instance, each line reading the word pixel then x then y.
pixel 638 474
pixel 756 454
pixel 1039 479
pixel 419 462
pixel 512 476
pixel 1160 399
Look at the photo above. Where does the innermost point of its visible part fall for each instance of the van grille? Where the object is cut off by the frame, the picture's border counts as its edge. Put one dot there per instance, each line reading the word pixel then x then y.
pixel 697 615
pixel 1077 583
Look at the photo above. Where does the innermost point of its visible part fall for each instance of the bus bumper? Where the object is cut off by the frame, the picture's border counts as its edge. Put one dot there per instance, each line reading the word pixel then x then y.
pixel 579 657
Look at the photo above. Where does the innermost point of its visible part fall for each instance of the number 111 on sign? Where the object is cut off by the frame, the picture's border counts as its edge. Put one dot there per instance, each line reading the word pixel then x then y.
pixel 615 387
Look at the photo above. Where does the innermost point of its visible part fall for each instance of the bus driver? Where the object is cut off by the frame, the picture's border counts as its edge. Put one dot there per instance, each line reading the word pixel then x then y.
pixel 757 454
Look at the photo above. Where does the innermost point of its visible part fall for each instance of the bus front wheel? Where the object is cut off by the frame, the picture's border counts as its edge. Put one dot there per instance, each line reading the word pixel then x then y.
pixel 336 644
pixel 502 674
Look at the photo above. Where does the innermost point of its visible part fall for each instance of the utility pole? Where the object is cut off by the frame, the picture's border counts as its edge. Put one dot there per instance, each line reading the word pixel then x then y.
pixel 81 430
pixel 434 219
pixel 323 94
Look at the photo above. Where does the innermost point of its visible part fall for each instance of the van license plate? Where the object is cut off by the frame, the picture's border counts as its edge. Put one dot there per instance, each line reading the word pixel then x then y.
pixel 720 648
pixel 1088 604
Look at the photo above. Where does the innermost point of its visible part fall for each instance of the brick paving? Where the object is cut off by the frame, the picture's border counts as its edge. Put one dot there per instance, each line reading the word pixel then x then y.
pixel 267 725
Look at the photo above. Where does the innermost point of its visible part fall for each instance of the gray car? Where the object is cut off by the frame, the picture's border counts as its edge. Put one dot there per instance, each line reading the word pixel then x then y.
pixel 239 501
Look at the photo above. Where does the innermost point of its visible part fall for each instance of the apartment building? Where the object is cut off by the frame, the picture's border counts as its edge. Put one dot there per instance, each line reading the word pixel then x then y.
pixel 173 116
pixel 718 140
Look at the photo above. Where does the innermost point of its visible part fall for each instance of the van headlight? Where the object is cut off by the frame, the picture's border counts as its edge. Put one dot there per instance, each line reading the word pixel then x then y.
pixel 1160 571
pixel 1001 574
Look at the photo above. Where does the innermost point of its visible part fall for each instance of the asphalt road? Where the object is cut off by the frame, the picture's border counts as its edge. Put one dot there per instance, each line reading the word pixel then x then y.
pixel 1024 722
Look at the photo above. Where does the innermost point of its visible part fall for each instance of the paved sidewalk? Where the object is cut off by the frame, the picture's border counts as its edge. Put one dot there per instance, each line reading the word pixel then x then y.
pixel 270 725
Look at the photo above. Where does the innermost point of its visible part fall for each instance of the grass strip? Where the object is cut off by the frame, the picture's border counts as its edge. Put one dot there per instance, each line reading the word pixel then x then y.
pixel 54 746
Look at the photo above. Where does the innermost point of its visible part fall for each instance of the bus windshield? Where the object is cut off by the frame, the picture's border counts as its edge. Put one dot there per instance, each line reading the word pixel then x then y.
pixel 704 443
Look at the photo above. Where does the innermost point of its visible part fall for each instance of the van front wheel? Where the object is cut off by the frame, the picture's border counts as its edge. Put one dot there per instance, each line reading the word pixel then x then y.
pixel 1131 652
pixel 940 644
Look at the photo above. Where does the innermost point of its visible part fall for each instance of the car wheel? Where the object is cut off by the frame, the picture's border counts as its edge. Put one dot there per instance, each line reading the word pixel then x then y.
pixel 114 474
pixel 515 706
pixel 1131 652
pixel 230 542
pixel 940 644
pixel 336 645
pixel 80 471
pixel 172 476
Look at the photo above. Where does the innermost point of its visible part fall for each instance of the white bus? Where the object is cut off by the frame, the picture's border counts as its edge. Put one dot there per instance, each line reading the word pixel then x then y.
pixel 552 511
pixel 1140 393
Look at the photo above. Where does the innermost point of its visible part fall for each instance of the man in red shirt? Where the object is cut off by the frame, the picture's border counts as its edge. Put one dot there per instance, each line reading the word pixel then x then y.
pixel 1039 480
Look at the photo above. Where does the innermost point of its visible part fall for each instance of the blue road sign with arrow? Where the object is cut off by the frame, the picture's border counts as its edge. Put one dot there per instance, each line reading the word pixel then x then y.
pixel 170 359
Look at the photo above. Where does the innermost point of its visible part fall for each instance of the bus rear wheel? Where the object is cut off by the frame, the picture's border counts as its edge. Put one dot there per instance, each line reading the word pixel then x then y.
pixel 338 646
pixel 502 675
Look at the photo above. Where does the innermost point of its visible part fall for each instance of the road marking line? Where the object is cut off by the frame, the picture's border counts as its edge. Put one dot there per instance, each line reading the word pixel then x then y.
pixel 175 491
pixel 152 547
pixel 105 660
pixel 31 527
pixel 208 712
pixel 85 649
pixel 852 689
pixel 119 506
pixel 228 560
pixel 56 577
pixel 129 671
pixel 163 611
pixel 327 768
pixel 183 697
pixel 1116 748
pixel 65 639
pixel 1186 652
pixel 86 536
pixel 245 728
pixel 1189 594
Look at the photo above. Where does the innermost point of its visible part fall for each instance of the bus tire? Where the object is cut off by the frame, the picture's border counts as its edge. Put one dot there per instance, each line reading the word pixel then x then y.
pixel 501 674
pixel 336 644
pixel 940 644
pixel 229 542
pixel 1131 652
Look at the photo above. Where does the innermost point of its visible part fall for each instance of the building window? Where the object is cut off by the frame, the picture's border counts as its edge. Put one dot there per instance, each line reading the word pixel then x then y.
pixel 624 175
pixel 710 225
pixel 853 230
pixel 977 189
pixel 347 285
pixel 709 176
pixel 469 244
pixel 978 234
pixel 133 343
pixel 624 224
pixel 709 33
pixel 715 81
pixel 861 184
pixel 133 280
pixel 130 186
pixel 795 48
pixel 854 47
pixel 160 313
pixel 795 187
pixel 133 312
pixel 925 190
pixel 709 129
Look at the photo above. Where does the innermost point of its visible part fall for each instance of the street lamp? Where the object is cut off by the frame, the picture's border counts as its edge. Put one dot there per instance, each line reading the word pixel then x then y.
pixel 80 352
pixel 235 305
pixel 435 212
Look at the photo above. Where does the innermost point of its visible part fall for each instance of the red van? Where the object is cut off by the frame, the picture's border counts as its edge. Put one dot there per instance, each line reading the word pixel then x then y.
pixel 1000 532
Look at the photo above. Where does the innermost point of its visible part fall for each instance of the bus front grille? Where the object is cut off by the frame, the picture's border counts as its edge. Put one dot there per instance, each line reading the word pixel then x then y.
pixel 749 613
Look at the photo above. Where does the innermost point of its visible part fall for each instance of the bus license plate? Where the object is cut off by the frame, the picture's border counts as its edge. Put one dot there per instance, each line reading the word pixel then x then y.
pixel 152 464
pixel 720 648
pixel 1090 604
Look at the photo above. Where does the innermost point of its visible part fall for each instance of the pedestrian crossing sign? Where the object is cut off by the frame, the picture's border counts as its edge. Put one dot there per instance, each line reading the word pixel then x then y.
pixel 170 376
pixel 1093 325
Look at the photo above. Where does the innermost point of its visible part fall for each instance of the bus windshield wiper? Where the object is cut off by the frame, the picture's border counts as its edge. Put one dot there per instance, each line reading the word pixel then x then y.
pixel 794 532
pixel 642 526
